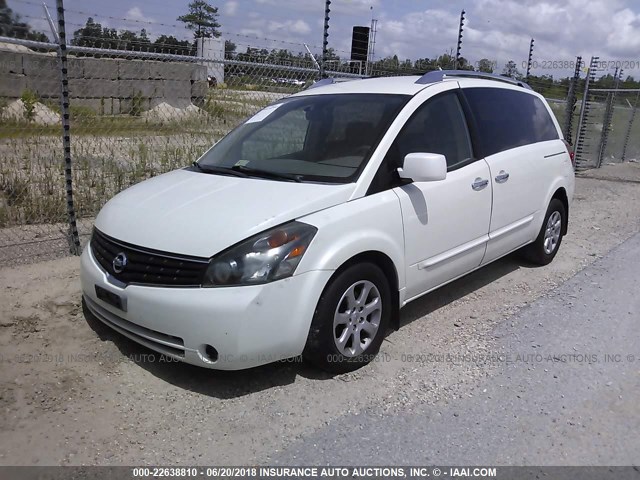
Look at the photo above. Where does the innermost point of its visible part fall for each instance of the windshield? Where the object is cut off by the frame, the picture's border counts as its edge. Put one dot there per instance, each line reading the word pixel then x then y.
pixel 326 138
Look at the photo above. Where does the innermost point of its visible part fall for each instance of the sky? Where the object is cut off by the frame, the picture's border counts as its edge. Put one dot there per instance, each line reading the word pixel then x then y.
pixel 499 30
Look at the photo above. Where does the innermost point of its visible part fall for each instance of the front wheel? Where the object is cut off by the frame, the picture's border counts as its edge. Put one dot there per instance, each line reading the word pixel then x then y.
pixel 350 320
pixel 543 250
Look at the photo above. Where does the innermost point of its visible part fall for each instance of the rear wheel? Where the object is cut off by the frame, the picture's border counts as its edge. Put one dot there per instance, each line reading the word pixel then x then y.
pixel 350 320
pixel 543 250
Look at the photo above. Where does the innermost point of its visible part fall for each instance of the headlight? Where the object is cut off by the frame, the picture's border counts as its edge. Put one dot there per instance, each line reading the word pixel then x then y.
pixel 263 258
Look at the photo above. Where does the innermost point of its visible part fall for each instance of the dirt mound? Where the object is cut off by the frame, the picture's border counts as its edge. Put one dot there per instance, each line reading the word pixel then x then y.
pixel 164 112
pixel 40 114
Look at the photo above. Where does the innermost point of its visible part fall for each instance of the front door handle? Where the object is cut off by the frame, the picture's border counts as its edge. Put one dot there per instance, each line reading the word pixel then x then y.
pixel 479 183
pixel 502 177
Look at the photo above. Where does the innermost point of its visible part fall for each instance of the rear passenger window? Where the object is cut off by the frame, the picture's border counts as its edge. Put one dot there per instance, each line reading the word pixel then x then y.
pixel 508 119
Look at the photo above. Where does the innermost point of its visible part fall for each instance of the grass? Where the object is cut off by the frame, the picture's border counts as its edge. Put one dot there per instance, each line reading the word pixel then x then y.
pixel 111 153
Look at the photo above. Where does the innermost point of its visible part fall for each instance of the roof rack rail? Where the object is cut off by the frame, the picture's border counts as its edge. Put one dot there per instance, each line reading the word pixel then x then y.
pixel 439 75
pixel 330 81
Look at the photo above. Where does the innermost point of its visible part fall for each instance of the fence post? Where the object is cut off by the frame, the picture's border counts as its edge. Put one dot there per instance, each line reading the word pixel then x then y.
pixel 325 39
pixel 571 102
pixel 530 61
pixel 608 117
pixel 631 119
pixel 584 108
pixel 72 236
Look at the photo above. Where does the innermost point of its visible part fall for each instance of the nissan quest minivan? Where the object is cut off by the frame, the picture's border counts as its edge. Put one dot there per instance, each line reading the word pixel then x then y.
pixel 307 228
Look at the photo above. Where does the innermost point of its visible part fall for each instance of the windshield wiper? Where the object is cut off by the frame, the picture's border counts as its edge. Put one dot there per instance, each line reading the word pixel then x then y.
pixel 220 170
pixel 256 172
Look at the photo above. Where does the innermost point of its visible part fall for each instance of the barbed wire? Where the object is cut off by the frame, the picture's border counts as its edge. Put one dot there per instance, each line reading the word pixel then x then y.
pixel 98 16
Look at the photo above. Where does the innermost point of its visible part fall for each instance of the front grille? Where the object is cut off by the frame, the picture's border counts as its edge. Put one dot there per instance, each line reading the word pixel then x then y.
pixel 145 266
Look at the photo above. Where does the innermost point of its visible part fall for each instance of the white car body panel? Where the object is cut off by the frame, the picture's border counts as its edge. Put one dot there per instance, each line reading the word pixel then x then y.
pixel 369 224
pixel 204 209
pixel 432 233
pixel 446 227
pixel 238 321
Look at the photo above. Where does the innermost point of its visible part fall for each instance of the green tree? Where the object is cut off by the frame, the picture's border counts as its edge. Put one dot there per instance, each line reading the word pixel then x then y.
pixel 485 65
pixel 511 70
pixel 94 35
pixel 12 26
pixel 229 49
pixel 170 44
pixel 202 19
pixel 446 61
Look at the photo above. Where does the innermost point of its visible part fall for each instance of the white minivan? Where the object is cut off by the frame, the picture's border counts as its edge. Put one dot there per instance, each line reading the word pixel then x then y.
pixel 307 228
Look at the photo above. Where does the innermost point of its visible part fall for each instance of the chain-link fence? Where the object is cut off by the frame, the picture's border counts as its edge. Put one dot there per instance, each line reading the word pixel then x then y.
pixel 610 132
pixel 130 115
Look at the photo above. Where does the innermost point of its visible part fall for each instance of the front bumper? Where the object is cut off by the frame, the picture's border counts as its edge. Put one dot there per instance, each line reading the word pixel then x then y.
pixel 247 326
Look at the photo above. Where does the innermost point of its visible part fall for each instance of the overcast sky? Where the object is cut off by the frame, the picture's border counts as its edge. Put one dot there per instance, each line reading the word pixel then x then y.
pixel 496 29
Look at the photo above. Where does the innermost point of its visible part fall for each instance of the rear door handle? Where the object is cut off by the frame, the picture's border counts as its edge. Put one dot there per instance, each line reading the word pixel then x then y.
pixel 479 183
pixel 502 177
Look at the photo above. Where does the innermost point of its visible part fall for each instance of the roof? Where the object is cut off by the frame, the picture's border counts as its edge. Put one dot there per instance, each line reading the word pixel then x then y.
pixel 408 85
pixel 392 85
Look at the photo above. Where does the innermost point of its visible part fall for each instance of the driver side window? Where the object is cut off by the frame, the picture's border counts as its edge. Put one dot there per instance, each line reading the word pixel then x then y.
pixel 438 126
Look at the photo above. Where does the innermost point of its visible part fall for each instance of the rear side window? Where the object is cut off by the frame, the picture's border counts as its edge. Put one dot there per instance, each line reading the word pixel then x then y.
pixel 508 119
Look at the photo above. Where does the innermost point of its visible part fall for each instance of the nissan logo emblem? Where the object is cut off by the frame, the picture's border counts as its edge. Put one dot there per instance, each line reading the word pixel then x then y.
pixel 119 262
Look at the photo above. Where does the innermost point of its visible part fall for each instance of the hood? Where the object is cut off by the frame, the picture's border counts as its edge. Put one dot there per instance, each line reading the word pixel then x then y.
pixel 200 214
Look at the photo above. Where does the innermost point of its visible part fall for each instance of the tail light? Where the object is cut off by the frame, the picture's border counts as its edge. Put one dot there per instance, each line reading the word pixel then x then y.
pixel 571 153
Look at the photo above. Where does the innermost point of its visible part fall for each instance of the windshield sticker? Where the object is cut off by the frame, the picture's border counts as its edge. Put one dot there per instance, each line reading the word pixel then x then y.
pixel 264 113
pixel 241 163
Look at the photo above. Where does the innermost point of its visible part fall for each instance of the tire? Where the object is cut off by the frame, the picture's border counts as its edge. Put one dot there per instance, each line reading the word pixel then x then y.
pixel 545 247
pixel 347 330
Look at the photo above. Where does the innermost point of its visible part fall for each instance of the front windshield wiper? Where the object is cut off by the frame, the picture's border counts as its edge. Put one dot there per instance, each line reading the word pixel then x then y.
pixel 220 170
pixel 256 172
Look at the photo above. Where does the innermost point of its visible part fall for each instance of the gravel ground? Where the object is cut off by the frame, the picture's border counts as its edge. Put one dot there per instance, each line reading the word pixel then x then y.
pixel 74 393
pixel 564 391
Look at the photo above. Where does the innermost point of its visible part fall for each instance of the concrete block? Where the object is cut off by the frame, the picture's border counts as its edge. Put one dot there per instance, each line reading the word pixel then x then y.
pixel 170 70
pixel 92 88
pixel 133 70
pixel 147 88
pixel 11 62
pixel 88 103
pixel 199 73
pixel 12 85
pixel 40 66
pixel 111 106
pixel 199 89
pixel 75 67
pixel 103 68
pixel 175 89
pixel 126 104
pixel 44 85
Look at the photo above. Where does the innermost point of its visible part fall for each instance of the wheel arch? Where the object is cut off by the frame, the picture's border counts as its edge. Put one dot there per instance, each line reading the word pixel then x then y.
pixel 385 263
pixel 561 194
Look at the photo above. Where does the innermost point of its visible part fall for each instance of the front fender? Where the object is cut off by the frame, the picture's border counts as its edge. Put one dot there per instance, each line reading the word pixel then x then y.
pixel 368 224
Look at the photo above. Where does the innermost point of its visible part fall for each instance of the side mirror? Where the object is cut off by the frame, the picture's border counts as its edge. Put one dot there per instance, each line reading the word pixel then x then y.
pixel 424 167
